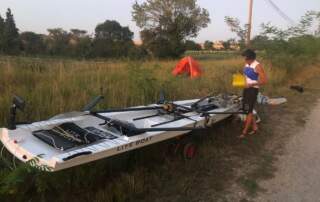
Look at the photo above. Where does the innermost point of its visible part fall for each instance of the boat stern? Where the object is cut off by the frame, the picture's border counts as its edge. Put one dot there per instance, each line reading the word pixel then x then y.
pixel 15 146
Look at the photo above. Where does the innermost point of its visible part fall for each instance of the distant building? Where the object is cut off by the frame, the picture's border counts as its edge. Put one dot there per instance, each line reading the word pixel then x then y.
pixel 202 46
pixel 235 46
pixel 73 41
pixel 137 42
pixel 218 45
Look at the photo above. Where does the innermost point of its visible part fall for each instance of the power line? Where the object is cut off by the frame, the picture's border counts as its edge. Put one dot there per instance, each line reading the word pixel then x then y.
pixel 280 12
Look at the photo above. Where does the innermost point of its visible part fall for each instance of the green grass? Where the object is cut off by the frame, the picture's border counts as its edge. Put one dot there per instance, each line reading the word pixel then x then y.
pixel 52 86
pixel 250 185
pixel 55 86
pixel 213 55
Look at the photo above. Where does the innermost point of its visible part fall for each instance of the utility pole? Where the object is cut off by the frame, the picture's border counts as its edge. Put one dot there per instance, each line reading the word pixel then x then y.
pixel 249 23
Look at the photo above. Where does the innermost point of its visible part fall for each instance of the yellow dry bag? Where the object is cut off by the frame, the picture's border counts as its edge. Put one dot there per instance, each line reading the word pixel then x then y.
pixel 238 80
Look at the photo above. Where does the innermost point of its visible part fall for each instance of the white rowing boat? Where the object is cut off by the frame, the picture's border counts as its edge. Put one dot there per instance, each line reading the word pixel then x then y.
pixel 75 138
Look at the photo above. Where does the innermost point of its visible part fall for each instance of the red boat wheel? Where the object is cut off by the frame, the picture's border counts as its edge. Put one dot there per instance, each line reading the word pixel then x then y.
pixel 189 151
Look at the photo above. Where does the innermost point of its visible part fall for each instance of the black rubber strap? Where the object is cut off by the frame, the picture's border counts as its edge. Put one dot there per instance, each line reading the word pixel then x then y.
pixel 76 155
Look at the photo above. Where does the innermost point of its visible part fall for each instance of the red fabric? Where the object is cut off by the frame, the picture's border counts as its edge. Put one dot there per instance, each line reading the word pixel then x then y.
pixel 187 65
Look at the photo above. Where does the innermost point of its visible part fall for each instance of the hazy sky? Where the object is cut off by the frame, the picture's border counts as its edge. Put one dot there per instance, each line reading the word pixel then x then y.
pixel 38 15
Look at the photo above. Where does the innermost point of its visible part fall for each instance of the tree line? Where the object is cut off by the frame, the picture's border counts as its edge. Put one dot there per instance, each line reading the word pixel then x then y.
pixel 294 46
pixel 307 27
pixel 110 40
pixel 167 27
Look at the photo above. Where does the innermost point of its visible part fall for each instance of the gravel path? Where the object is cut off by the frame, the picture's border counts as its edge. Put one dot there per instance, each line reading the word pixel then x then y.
pixel 297 177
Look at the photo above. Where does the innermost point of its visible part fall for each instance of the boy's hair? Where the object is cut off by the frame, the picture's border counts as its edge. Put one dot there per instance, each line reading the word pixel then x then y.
pixel 249 54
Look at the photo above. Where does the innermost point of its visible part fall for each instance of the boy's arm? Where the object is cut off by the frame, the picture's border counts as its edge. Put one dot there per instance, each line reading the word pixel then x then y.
pixel 262 75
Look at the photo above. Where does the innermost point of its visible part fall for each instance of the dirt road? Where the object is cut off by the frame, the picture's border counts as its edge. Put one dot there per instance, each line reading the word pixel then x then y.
pixel 297 177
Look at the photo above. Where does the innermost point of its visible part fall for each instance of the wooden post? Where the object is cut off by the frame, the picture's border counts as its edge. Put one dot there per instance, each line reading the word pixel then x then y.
pixel 249 23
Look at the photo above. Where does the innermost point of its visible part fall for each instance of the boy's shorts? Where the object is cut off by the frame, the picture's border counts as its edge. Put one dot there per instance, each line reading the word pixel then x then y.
pixel 249 99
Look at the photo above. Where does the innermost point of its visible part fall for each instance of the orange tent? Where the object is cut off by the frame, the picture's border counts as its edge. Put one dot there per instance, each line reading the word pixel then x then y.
pixel 187 65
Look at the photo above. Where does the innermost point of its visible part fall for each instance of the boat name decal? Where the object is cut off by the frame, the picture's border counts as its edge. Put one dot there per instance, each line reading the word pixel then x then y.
pixel 134 144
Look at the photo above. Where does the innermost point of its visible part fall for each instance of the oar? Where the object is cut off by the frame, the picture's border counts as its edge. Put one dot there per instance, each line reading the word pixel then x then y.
pixel 298 88
pixel 301 89
pixel 135 130
pixel 237 112
pixel 169 129
pixel 129 109
pixel 194 105
pixel 92 103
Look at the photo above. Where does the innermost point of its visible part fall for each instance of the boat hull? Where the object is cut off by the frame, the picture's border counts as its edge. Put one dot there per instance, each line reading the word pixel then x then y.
pixel 25 146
